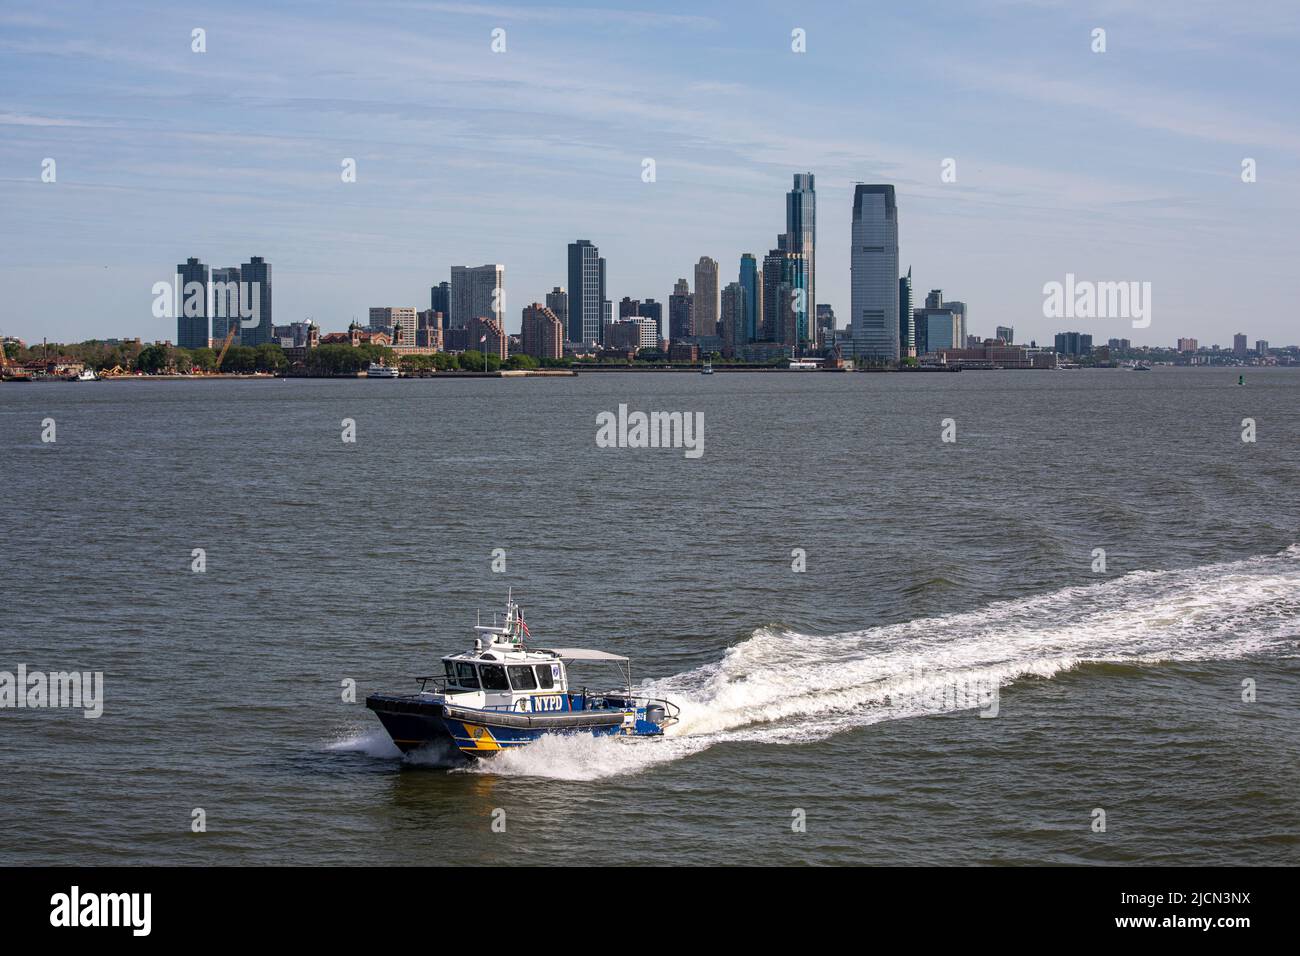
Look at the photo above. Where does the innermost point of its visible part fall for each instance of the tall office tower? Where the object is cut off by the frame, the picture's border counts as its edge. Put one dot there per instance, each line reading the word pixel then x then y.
pixel 906 324
pixel 224 288
pixel 959 310
pixel 255 279
pixel 749 280
pixel 801 229
pixel 192 314
pixel 784 276
pixel 557 300
pixel 681 316
pixel 628 307
pixel 935 299
pixel 1239 346
pixel 706 296
pixel 874 274
pixel 732 323
pixel 473 294
pixel 942 329
pixel 542 332
pixel 1008 335
pixel 399 323
pixel 1261 346
pixel 825 322
pixel 651 309
pixel 440 298
pixel 586 292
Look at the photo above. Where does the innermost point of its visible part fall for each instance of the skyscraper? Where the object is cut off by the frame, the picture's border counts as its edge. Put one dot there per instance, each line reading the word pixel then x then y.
pixel 557 300
pixel 224 286
pixel 681 318
pixel 192 315
pixel 874 274
pixel 1239 346
pixel 906 323
pixel 586 292
pixel 1008 335
pixel 706 296
pixel 801 230
pixel 476 293
pixel 749 281
pixel 440 298
pixel 255 277
pixel 732 323
pixel 959 309
pixel 785 274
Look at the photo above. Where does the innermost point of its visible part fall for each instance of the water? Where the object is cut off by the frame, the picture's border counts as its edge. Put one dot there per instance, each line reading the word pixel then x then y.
pixel 930 566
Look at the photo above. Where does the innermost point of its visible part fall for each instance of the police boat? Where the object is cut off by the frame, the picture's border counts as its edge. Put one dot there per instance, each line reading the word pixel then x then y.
pixel 506 694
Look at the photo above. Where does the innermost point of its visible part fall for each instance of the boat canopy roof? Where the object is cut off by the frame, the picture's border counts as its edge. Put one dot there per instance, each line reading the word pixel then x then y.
pixel 582 654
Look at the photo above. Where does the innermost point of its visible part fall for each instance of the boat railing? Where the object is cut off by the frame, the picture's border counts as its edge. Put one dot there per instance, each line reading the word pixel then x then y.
pixel 587 697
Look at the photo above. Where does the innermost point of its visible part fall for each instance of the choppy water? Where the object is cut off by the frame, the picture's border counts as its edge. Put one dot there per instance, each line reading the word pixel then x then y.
pixel 932 569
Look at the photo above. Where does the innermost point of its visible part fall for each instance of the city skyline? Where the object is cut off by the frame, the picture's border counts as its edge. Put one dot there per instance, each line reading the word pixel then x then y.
pixel 453 173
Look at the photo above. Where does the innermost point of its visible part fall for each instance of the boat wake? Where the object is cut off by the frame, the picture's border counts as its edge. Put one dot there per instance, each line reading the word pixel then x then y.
pixel 783 687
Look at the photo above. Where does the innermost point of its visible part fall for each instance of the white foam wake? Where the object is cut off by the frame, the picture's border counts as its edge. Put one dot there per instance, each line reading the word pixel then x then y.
pixel 784 687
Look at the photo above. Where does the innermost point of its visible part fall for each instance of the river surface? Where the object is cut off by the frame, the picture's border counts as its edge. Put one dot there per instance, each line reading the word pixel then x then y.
pixel 839 714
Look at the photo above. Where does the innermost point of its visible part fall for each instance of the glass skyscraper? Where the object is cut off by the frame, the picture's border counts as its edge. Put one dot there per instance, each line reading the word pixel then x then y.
pixel 874 313
pixel 749 282
pixel 255 279
pixel 801 237
pixel 906 320
pixel 586 292
pixel 192 316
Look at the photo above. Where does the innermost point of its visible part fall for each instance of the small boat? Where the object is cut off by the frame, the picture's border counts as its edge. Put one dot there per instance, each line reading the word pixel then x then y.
pixel 1139 367
pixel 87 375
pixel 380 370
pixel 504 694
pixel 707 369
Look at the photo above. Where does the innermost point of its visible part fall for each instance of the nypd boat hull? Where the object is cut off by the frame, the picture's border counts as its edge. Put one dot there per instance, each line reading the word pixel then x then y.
pixel 506 694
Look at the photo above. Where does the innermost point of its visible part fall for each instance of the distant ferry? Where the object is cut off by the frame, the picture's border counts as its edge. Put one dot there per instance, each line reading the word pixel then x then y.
pixel 380 370
pixel 804 365
pixel 503 694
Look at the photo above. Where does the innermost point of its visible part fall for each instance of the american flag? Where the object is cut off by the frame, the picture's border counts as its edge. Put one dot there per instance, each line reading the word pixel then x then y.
pixel 523 625
pixel 482 338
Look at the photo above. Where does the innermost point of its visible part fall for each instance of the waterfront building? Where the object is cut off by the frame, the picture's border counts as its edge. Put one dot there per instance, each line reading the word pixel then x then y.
pixel 1073 344
pixel 557 300
pixel 801 233
pixel 1187 345
pixel 542 332
pixel 255 281
pixel 476 292
pixel 651 309
pixel 751 281
pixel 223 286
pixel 906 322
pixel 732 323
pixel 586 292
pixel 192 329
pixel 1239 346
pixel 488 336
pixel 1261 346
pixel 706 297
pixel 398 322
pixel 874 274
pixel 681 314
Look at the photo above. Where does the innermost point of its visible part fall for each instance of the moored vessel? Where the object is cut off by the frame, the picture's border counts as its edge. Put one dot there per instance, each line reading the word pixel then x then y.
pixel 380 370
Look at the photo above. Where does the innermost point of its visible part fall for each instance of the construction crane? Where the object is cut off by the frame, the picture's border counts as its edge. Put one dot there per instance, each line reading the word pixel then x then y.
pixel 230 337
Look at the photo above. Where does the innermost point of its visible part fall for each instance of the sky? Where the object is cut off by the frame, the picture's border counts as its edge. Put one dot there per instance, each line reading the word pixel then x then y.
pixel 1122 165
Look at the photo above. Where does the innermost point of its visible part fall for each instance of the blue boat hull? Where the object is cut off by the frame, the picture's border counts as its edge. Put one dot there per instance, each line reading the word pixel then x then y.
pixel 415 721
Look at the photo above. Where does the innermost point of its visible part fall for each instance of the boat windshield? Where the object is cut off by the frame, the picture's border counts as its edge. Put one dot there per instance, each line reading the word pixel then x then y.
pixel 461 674
pixel 494 677
pixel 522 677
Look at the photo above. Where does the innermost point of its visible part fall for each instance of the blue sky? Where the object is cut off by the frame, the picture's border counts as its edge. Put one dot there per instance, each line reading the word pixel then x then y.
pixel 1123 165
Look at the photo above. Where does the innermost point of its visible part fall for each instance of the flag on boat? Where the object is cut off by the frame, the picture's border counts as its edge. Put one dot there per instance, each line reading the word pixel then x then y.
pixel 482 339
pixel 523 625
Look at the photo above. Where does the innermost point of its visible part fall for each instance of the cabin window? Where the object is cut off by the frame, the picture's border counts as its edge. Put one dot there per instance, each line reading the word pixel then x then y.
pixel 522 677
pixel 465 676
pixel 544 678
pixel 494 677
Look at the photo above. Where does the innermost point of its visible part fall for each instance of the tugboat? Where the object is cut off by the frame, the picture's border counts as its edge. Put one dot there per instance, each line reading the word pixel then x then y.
pixel 505 694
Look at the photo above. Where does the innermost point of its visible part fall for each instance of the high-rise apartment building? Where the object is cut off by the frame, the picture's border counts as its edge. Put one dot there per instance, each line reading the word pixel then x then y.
pixel 706 297
pixel 476 292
